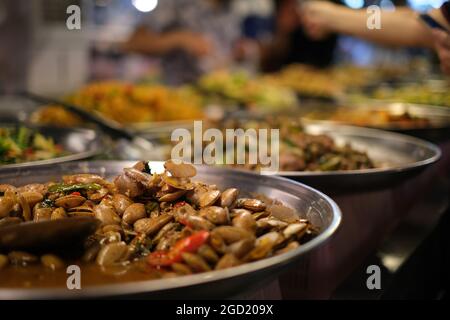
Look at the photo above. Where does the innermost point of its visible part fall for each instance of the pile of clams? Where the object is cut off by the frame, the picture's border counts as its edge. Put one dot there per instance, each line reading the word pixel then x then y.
pixel 164 221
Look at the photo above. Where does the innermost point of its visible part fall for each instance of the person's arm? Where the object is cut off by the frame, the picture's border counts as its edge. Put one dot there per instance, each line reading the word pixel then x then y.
pixel 442 46
pixel 271 54
pixel 145 41
pixel 441 39
pixel 398 28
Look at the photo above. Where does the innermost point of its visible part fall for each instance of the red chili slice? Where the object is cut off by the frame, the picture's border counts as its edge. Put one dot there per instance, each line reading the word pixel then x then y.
pixel 189 244
pixel 179 204
pixel 159 258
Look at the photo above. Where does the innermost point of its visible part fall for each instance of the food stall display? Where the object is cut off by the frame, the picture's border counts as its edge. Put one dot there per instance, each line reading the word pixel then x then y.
pixel 152 226
pixel 285 123
pixel 28 147
pixel 416 93
pixel 20 144
pixel 258 93
pixel 382 116
pixel 302 151
pixel 127 103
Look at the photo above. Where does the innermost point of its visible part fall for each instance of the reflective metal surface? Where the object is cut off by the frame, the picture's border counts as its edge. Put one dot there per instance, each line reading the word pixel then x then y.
pixel 438 127
pixel 319 208
pixel 439 117
pixel 396 156
pixel 78 143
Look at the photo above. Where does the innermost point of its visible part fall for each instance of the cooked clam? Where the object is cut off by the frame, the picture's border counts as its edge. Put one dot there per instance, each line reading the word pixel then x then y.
pixel 227 261
pixel 228 197
pixel 133 213
pixel 216 215
pixel 180 169
pixel 150 226
pixel 70 201
pixel 208 198
pixel 112 253
pixel 196 262
pixel 58 213
pixel 147 221
pixel 121 203
pixel 254 205
pixel 4 260
pixel 40 214
pixel 245 221
pixel 52 262
pixel 106 214
pixel 7 203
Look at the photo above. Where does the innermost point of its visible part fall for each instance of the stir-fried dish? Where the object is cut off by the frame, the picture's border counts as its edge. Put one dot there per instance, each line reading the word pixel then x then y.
pixel 302 151
pixel 308 81
pixel 253 92
pixel 127 103
pixel 21 144
pixel 417 93
pixel 152 226
pixel 372 118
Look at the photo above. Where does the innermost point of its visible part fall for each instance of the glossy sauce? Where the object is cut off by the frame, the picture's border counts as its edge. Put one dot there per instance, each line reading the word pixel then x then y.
pixel 38 276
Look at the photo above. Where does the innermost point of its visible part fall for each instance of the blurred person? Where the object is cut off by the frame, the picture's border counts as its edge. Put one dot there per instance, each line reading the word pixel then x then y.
pixel 401 27
pixel 291 44
pixel 189 37
pixel 15 37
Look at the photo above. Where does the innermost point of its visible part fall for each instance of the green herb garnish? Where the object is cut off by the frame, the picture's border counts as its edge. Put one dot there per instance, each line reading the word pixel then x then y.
pixel 62 187
pixel 151 206
pixel 48 203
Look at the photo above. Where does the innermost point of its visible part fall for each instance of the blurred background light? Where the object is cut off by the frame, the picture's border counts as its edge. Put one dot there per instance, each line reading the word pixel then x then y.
pixel 354 4
pixel 387 5
pixel 423 5
pixel 145 5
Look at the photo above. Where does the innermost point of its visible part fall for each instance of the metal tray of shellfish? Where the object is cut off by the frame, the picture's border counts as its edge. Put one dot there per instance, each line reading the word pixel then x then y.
pixel 309 203
pixel 397 157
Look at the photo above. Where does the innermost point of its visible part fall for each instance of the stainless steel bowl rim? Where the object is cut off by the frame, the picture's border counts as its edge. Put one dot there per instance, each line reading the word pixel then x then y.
pixel 364 132
pixel 186 281
pixel 373 132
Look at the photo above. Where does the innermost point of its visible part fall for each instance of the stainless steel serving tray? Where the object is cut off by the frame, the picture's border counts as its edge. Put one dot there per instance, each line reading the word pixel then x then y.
pixel 439 117
pixel 397 157
pixel 311 203
pixel 77 142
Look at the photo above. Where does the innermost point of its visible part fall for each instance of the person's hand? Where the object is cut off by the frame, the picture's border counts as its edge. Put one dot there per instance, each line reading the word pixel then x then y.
pixel 136 41
pixel 287 18
pixel 442 44
pixel 316 17
pixel 196 44
pixel 149 42
pixel 245 48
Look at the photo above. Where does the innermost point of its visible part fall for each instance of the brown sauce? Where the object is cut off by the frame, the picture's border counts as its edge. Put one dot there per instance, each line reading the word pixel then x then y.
pixel 38 276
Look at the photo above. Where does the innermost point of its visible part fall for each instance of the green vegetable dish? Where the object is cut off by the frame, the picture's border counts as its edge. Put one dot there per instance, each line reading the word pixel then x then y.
pixel 21 144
